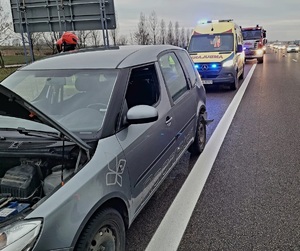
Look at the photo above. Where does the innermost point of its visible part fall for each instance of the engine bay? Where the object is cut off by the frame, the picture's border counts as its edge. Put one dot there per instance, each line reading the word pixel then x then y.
pixel 28 177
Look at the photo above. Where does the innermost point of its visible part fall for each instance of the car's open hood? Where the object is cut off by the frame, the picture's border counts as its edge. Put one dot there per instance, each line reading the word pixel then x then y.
pixel 11 104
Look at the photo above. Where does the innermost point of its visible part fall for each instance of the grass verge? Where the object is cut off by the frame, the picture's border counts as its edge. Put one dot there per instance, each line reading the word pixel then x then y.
pixel 4 72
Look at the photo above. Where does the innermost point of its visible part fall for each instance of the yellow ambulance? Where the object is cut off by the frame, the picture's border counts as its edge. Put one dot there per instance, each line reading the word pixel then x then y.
pixel 216 48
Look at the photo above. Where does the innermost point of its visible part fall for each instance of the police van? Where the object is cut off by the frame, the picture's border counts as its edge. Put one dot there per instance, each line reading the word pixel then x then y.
pixel 216 48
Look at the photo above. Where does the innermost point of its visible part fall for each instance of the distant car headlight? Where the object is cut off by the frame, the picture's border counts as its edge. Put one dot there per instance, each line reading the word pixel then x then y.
pixel 20 235
pixel 228 63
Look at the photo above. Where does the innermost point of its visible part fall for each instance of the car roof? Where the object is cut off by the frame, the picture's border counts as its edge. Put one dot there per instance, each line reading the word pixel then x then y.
pixel 120 57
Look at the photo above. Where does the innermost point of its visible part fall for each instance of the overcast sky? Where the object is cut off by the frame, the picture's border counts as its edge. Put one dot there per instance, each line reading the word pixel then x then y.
pixel 281 18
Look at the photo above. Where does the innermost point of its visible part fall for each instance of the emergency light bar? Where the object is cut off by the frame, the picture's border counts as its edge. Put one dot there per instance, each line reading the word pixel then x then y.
pixel 214 21
pixel 252 28
pixel 220 21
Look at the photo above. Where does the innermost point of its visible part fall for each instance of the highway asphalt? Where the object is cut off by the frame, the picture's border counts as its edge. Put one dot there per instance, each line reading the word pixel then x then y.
pixel 250 200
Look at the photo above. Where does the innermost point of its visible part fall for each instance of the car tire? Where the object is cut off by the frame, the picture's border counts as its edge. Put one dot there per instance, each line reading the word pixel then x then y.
pixel 105 231
pixel 199 143
pixel 235 84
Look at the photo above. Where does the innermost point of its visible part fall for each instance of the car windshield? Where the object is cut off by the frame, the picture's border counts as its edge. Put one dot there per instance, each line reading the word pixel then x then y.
pixel 252 34
pixel 77 99
pixel 211 43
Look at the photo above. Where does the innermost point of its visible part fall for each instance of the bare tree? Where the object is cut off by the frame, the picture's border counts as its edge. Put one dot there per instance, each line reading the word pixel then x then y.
pixel 176 33
pixel 95 37
pixel 142 36
pixel 153 24
pixel 114 35
pixel 182 38
pixel 5 30
pixel 188 36
pixel 131 38
pixel 170 34
pixel 122 40
pixel 40 45
pixel 34 40
pixel 50 40
pixel 163 32
pixel 83 37
pixel 5 26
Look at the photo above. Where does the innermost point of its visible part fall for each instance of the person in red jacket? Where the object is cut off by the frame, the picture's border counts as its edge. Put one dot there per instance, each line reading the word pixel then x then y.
pixel 67 42
pixel 59 45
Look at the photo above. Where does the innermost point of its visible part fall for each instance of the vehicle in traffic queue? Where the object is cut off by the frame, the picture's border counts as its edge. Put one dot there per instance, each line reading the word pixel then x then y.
pixel 254 42
pixel 87 137
pixel 279 46
pixel 216 49
pixel 292 48
pixel 275 46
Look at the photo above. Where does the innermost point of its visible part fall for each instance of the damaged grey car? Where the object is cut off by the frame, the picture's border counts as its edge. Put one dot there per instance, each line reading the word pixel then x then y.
pixel 87 137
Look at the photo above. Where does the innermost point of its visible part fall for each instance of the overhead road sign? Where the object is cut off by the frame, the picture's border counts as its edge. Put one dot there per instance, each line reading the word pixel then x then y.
pixel 62 15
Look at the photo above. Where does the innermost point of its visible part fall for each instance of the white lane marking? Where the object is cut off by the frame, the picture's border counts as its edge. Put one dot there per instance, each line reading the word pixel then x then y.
pixel 295 60
pixel 171 229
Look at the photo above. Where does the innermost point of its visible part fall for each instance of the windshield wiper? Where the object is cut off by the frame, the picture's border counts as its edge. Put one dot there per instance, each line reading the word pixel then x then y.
pixel 41 134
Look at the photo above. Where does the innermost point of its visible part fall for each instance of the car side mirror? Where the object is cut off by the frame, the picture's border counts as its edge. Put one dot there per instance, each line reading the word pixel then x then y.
pixel 240 48
pixel 140 114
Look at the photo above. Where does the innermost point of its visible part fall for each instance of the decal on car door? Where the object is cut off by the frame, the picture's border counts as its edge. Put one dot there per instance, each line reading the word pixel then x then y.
pixel 114 176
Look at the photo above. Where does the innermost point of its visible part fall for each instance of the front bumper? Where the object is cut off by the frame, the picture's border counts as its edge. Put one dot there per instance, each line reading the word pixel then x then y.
pixel 226 75
pixel 253 53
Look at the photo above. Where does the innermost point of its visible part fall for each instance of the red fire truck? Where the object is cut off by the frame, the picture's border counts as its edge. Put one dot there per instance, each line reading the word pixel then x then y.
pixel 254 42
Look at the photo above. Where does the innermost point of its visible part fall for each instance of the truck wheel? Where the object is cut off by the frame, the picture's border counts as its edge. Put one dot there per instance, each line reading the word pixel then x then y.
pixel 235 84
pixel 199 143
pixel 260 60
pixel 105 231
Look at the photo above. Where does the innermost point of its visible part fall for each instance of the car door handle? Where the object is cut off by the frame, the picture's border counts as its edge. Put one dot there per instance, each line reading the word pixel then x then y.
pixel 168 120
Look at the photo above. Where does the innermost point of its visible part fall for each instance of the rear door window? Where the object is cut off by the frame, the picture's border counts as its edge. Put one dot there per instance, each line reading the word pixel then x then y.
pixel 189 65
pixel 173 75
